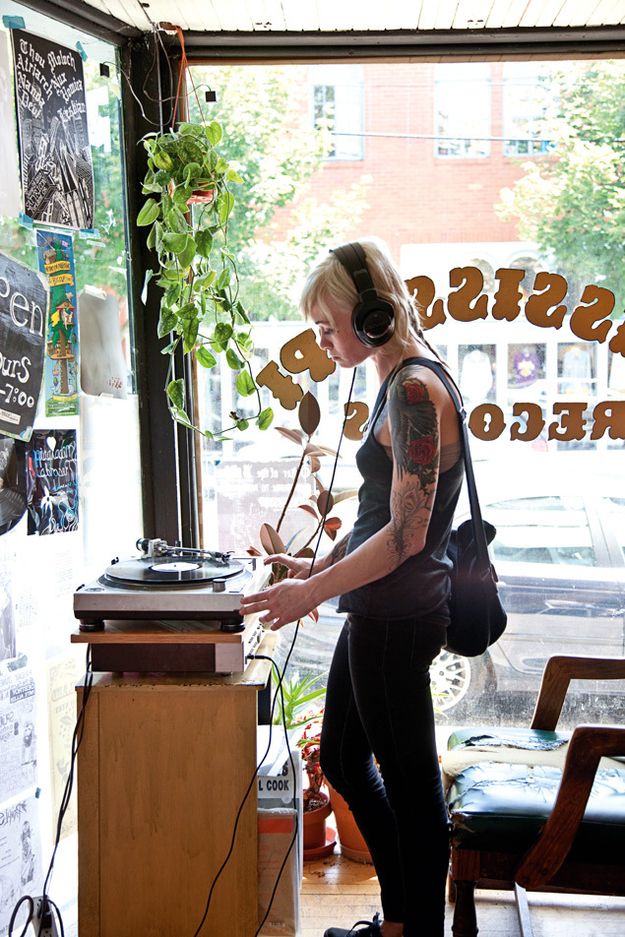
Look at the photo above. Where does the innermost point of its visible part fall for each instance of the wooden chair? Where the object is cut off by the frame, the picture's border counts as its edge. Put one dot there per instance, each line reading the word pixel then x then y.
pixel 536 808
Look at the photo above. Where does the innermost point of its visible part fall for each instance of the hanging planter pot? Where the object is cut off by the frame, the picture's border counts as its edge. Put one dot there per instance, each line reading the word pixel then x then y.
pixel 201 197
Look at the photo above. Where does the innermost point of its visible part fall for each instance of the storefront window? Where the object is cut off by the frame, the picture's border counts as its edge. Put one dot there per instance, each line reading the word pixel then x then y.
pixel 548 450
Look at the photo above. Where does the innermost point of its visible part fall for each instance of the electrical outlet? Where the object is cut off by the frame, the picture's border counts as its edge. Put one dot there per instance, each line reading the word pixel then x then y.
pixel 45 927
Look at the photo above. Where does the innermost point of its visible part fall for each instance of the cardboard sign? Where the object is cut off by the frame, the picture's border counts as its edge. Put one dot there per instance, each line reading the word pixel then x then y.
pixel 23 305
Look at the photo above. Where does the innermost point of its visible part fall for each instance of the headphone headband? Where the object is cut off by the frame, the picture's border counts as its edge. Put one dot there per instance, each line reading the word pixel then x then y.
pixel 373 318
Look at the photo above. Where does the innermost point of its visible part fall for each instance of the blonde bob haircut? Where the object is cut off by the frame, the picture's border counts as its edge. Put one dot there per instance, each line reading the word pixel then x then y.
pixel 329 282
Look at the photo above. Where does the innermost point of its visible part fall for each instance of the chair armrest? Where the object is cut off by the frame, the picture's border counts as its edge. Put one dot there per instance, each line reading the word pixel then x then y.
pixel 558 673
pixel 588 745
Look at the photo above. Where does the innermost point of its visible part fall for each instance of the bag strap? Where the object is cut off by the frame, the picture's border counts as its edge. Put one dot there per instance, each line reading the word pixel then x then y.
pixel 479 535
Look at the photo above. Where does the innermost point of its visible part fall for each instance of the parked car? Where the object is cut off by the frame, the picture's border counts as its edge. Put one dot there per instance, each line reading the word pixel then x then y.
pixel 560 557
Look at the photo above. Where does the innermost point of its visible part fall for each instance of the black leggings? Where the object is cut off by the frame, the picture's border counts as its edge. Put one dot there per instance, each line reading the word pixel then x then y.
pixel 379 702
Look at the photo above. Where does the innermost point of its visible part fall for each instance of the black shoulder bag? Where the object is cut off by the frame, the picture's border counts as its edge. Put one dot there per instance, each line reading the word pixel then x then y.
pixel 477 617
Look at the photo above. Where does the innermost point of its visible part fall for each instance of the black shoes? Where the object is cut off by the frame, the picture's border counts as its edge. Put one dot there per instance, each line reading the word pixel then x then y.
pixel 371 929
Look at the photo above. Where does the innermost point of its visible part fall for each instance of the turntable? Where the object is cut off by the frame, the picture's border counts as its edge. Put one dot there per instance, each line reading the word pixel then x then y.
pixel 171 609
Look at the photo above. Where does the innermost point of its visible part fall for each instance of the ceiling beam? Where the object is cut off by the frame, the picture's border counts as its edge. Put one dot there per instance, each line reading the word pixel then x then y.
pixel 407 44
pixel 88 19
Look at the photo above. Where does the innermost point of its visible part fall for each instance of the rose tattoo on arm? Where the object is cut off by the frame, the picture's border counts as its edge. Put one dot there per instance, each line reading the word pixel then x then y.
pixel 415 441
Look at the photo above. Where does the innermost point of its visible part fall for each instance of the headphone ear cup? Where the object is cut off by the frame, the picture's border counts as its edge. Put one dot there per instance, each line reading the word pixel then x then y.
pixel 373 322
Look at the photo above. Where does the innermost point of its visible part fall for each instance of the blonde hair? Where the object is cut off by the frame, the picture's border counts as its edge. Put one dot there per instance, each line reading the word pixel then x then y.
pixel 330 282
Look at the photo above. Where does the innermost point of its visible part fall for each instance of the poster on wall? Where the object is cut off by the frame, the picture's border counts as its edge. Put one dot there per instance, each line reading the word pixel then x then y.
pixel 63 674
pixel 20 855
pixel 55 253
pixel 18 740
pixel 55 158
pixel 23 306
pixel 52 467
pixel 10 206
pixel 12 482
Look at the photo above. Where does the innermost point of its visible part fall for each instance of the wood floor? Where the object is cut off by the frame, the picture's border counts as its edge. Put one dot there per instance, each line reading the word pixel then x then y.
pixel 338 892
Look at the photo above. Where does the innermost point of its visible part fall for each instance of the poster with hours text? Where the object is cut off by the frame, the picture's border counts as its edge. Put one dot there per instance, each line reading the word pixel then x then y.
pixel 55 157
pixel 23 307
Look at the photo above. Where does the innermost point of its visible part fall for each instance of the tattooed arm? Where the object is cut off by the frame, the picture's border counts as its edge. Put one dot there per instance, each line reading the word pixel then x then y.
pixel 416 455
pixel 416 404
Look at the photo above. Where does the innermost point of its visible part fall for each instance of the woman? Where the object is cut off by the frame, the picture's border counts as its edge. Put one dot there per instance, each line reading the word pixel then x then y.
pixel 393 580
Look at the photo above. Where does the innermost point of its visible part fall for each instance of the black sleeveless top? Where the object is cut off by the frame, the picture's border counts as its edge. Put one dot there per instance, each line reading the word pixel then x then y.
pixel 420 585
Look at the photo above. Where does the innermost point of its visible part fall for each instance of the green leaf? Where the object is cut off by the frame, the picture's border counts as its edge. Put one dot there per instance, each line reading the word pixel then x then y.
pixel 175 392
pixel 204 244
pixel 190 171
pixel 233 360
pixel 167 321
pixel 240 311
pixel 188 311
pixel 177 221
pixel 190 331
pixel 242 424
pixel 213 132
pixel 245 384
pixel 181 416
pixel 163 160
pixel 225 204
pixel 223 279
pixel 170 349
pixel 233 176
pixel 265 418
pixel 181 197
pixel 205 358
pixel 144 292
pixel 149 213
pixel 174 242
pixel 185 256
pixel 223 331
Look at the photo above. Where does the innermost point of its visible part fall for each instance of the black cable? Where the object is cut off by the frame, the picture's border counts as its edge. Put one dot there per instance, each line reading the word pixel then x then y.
pixel 271 716
pixel 295 804
pixel 245 796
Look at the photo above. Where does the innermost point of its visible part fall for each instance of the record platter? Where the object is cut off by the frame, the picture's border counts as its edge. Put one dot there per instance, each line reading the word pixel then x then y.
pixel 166 596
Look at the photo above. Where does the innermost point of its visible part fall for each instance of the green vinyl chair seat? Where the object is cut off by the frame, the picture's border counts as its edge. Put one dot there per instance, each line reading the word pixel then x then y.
pixel 503 807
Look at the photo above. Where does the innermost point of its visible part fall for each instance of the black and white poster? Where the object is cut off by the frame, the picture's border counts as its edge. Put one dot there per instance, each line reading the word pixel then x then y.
pixel 55 158
pixel 23 310
pixel 52 466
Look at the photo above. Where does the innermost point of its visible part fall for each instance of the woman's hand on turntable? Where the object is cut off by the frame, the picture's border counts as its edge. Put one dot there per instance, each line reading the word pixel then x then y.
pixel 278 605
pixel 298 566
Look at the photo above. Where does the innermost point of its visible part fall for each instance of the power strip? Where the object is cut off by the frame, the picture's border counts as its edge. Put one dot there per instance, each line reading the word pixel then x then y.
pixel 43 922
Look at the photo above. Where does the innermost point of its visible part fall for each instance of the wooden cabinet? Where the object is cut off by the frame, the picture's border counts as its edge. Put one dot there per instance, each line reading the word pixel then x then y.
pixel 164 763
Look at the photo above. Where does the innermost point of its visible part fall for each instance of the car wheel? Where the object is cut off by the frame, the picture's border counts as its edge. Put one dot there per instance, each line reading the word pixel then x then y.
pixel 452 677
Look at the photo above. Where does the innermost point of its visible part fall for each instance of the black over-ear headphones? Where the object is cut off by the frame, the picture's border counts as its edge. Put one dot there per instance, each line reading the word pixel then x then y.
pixel 373 318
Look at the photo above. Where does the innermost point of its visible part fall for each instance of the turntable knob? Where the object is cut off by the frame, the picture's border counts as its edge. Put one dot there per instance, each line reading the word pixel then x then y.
pixel 219 585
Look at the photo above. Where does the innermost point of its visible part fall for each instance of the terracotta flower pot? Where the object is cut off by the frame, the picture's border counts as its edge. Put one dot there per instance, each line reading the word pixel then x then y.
pixel 352 843
pixel 315 824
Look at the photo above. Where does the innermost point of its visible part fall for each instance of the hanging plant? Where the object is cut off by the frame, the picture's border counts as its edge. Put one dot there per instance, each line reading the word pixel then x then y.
pixel 188 184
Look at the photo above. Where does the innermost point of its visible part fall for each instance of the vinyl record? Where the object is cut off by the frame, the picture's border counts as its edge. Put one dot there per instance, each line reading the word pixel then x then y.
pixel 12 483
pixel 168 570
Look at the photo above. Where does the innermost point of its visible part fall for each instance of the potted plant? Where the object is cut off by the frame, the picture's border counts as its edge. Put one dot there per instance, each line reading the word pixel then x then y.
pixel 189 187
pixel 318 839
